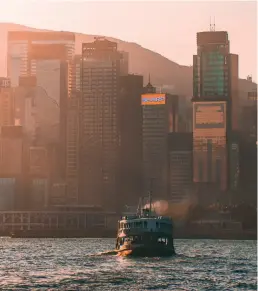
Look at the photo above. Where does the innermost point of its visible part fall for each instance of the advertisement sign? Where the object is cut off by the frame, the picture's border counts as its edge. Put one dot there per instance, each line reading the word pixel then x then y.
pixel 153 99
pixel 208 115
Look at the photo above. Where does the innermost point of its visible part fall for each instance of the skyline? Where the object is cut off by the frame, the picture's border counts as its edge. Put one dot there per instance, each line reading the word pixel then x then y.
pixel 178 47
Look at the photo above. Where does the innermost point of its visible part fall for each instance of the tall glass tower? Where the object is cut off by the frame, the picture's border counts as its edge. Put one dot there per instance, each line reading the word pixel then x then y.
pixel 215 106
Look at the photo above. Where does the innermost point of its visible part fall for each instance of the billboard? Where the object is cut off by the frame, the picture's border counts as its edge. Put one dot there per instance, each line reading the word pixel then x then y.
pixel 209 115
pixel 153 99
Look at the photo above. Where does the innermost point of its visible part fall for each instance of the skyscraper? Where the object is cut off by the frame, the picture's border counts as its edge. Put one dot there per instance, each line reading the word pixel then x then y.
pixel 130 126
pixel 160 116
pixel 180 165
pixel 20 44
pixel 6 102
pixel 99 135
pixel 6 106
pixel 215 108
pixel 11 167
pixel 72 148
pixel 47 56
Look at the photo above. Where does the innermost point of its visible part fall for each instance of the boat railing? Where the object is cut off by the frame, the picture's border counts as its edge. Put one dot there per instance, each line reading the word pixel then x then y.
pixel 127 217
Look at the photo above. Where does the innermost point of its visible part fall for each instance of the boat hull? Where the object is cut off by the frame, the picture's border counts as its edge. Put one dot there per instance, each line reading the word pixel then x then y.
pixel 146 252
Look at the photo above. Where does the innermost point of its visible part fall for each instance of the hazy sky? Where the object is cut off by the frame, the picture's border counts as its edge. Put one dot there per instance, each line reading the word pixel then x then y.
pixel 168 28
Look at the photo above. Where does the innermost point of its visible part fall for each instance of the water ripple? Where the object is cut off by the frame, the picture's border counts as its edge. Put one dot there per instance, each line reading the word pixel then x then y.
pixel 86 264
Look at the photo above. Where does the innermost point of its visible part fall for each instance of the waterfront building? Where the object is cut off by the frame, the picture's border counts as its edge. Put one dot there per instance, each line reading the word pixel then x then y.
pixel 102 65
pixel 215 111
pixel 180 146
pixel 130 128
pixel 160 117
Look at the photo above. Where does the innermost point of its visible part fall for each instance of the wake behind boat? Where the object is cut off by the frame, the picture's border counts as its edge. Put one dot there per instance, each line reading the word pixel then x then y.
pixel 145 234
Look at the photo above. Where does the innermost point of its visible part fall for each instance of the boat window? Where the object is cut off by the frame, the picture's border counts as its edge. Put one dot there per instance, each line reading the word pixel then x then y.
pixel 136 239
pixel 157 224
pixel 138 224
pixel 163 240
pixel 145 224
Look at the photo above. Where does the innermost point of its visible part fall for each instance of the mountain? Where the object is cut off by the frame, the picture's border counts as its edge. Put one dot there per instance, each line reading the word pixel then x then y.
pixel 141 61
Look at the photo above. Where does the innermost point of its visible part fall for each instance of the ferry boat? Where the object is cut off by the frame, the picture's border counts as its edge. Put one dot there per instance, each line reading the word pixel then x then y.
pixel 145 234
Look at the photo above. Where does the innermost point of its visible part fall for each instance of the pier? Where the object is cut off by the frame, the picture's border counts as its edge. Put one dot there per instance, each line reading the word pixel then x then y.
pixel 59 223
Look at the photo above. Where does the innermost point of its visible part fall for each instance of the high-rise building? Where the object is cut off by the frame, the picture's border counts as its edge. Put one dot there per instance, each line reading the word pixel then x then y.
pixel 248 116
pixel 38 177
pixel 130 125
pixel 11 167
pixel 180 145
pixel 52 75
pixel 149 88
pixel 99 135
pixel 215 109
pixel 6 102
pixel 20 44
pixel 215 72
pixel 185 114
pixel 76 73
pixel 72 145
pixel 5 82
pixel 160 117
pixel 6 106
pixel 72 149
pixel 46 56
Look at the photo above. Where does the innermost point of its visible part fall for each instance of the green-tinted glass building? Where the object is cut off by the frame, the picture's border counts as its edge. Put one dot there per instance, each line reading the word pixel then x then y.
pixel 211 78
pixel 215 109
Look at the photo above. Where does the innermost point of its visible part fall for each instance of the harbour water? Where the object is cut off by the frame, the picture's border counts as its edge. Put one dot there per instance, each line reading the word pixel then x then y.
pixel 85 264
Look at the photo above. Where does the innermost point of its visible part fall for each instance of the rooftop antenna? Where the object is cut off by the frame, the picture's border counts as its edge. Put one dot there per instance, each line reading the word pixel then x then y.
pixel 212 25
pixel 149 78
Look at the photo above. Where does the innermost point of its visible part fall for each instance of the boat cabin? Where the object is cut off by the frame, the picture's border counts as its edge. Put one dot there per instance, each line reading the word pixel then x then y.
pixel 149 224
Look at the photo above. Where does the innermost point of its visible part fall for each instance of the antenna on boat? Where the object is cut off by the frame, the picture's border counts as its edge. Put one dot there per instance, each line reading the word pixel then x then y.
pixel 150 195
pixel 139 210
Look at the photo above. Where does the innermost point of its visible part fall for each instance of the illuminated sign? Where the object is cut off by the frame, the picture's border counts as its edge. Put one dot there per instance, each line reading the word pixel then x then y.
pixel 210 115
pixel 153 99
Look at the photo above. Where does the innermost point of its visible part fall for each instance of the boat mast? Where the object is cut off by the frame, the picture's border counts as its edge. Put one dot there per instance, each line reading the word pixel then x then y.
pixel 150 195
pixel 139 210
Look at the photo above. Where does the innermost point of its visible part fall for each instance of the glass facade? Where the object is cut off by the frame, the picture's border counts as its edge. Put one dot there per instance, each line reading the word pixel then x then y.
pixel 213 79
pixel 155 161
pixel 215 75
pixel 98 133
pixel 158 121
